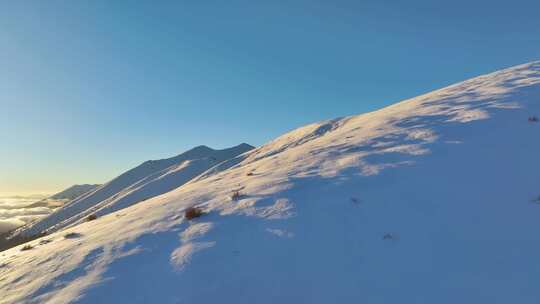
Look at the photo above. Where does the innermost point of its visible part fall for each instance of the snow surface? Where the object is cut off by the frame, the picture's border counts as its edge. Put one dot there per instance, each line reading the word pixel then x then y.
pixel 74 191
pixel 431 200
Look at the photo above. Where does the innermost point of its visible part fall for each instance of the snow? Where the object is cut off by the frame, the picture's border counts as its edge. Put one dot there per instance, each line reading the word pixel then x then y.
pixel 181 256
pixel 74 191
pixel 430 200
pixel 150 179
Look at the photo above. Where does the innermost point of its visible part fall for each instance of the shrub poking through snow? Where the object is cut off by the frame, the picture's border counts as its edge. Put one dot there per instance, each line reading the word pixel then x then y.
pixel 44 241
pixel 533 119
pixel 91 217
pixel 6 243
pixel 193 212
pixel 250 174
pixel 236 195
pixel 72 235
pixel 27 247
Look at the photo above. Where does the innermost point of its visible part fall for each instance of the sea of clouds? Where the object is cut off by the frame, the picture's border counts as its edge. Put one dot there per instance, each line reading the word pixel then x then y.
pixel 16 211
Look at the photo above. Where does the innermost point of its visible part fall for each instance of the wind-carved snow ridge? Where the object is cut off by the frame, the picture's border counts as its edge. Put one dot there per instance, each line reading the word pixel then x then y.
pixel 183 255
pixel 281 208
pixel 313 216
pixel 194 231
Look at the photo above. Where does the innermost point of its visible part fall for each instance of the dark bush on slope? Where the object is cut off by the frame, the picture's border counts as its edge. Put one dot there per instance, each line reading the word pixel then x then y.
pixel 193 212
pixel 27 247
pixel 236 195
pixel 72 235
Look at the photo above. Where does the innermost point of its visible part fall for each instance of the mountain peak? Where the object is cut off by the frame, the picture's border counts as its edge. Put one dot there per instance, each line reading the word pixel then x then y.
pixel 245 145
pixel 199 149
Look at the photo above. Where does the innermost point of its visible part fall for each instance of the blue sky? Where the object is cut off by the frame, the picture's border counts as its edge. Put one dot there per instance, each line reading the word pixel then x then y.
pixel 91 88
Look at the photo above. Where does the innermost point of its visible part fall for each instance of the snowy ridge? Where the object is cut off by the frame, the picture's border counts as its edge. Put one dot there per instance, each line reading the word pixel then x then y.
pixel 150 179
pixel 60 198
pixel 431 200
pixel 73 192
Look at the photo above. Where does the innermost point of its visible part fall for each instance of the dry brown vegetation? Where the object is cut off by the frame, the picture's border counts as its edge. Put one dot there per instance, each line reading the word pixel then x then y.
pixel 27 247
pixel 72 235
pixel 8 241
pixel 193 212
pixel 236 195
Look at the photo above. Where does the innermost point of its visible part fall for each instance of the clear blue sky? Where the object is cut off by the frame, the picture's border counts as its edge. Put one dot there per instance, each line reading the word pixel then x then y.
pixel 91 88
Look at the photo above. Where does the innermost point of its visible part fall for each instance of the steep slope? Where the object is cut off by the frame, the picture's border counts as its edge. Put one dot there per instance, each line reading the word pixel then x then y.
pixel 74 191
pixel 431 200
pixel 142 182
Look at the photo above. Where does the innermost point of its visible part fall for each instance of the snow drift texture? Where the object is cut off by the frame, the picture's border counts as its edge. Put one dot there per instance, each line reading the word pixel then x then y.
pixel 431 200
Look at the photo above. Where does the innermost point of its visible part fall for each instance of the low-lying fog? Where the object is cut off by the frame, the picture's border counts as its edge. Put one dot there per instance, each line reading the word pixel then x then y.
pixel 16 211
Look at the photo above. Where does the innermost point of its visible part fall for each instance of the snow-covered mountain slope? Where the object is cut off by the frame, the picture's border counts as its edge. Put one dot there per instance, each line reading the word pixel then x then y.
pixel 60 198
pixel 147 180
pixel 432 200
pixel 74 191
